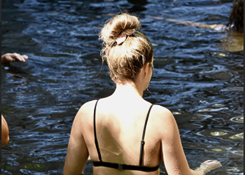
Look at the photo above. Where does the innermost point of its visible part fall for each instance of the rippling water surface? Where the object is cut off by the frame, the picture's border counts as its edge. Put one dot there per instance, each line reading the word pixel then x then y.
pixel 199 81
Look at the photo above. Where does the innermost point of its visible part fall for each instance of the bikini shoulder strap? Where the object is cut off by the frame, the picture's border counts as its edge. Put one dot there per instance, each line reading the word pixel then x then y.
pixel 143 136
pixel 95 135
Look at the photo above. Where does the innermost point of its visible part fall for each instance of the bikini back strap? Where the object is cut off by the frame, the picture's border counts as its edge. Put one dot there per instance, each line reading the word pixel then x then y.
pixel 95 135
pixel 143 136
pixel 125 167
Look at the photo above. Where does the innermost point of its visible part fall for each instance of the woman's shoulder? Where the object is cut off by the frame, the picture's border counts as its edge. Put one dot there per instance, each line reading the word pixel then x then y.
pixel 161 110
pixel 162 114
pixel 163 121
pixel 88 104
pixel 86 109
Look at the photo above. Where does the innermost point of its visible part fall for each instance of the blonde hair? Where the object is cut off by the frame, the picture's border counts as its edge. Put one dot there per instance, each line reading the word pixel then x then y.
pixel 125 59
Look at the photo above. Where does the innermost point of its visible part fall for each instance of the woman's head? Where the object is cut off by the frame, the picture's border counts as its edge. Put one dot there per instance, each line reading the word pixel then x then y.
pixel 125 49
pixel 236 16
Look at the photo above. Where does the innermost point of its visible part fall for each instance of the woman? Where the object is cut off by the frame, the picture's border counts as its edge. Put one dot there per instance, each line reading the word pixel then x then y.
pixel 123 133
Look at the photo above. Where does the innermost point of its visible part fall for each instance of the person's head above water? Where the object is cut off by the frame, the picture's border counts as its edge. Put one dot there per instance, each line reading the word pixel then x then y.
pixel 236 16
pixel 125 48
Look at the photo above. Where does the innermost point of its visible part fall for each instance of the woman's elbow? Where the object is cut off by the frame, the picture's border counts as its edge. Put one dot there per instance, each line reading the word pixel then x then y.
pixel 5 140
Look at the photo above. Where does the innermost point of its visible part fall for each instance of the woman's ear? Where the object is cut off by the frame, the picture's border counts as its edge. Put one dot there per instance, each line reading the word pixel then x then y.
pixel 146 68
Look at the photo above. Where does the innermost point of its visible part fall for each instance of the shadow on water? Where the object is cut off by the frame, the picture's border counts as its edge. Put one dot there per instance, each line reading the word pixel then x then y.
pixel 201 83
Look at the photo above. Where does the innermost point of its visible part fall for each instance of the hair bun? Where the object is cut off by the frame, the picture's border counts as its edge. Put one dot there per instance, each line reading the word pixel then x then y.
pixel 113 28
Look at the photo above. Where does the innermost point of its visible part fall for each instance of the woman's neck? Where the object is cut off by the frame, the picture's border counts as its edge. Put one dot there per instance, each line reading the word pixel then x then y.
pixel 128 89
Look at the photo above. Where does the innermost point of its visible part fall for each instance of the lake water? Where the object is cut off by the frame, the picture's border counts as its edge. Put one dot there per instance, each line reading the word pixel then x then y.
pixel 194 77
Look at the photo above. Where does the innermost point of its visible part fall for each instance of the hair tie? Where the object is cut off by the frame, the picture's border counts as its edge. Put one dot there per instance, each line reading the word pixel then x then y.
pixel 122 37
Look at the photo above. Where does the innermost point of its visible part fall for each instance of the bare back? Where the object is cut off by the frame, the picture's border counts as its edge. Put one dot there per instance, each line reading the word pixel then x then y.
pixel 119 126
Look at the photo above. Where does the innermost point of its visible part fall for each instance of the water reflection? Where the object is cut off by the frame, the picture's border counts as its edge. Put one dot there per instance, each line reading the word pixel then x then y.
pixel 237 119
pixel 233 42
pixel 201 83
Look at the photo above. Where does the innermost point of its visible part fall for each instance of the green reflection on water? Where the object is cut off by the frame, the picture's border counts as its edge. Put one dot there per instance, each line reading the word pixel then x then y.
pixel 217 149
pixel 176 113
pixel 237 136
pixel 218 133
pixel 237 119
pixel 34 166
pixel 5 110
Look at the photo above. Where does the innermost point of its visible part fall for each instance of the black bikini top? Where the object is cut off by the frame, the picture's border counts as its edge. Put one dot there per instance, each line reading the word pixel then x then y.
pixel 123 166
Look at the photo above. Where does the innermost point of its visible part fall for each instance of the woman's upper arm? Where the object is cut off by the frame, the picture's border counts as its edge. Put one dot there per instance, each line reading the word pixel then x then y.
pixel 77 152
pixel 5 131
pixel 173 155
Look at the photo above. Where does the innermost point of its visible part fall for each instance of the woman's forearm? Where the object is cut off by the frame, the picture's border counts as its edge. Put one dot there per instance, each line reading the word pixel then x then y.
pixel 197 172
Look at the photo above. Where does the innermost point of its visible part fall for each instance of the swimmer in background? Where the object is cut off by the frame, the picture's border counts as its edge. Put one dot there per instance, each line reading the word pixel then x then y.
pixel 233 42
pixel 6 59
pixel 123 133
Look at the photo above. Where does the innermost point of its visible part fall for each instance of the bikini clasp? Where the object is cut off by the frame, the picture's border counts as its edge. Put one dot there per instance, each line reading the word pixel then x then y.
pixel 119 167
